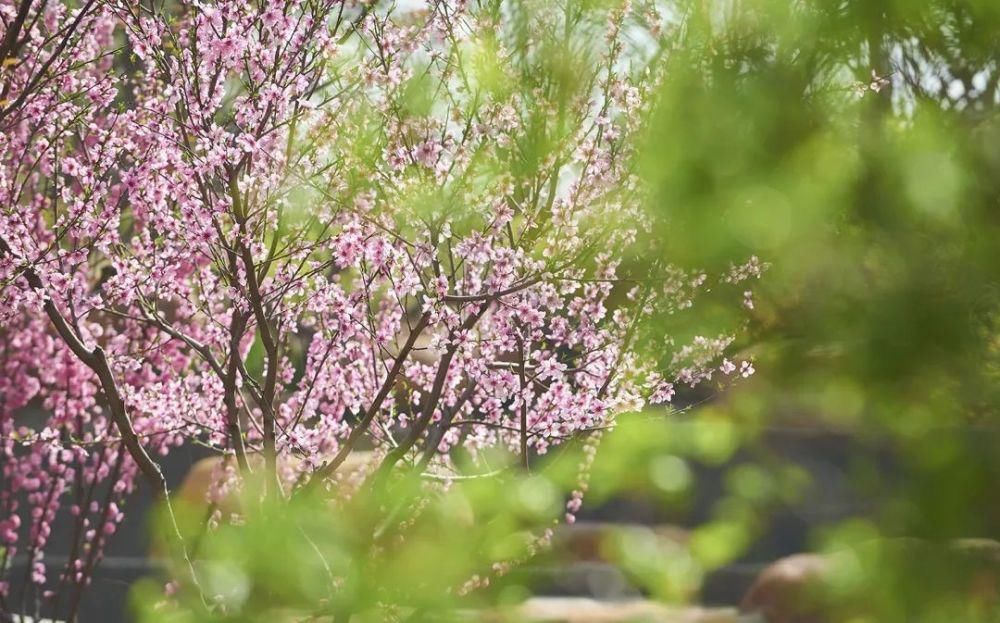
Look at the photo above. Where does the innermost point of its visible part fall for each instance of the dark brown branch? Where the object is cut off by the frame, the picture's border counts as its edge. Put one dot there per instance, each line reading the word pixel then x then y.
pixel 48 62
pixel 267 337
pixel 430 403
pixel 7 46
pixel 361 427
pixel 228 376
pixel 435 437
pixel 472 298
pixel 97 361
pixel 524 406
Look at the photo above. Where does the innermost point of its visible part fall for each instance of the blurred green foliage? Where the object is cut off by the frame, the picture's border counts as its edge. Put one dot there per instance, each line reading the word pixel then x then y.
pixel 877 211
pixel 877 205
pixel 412 551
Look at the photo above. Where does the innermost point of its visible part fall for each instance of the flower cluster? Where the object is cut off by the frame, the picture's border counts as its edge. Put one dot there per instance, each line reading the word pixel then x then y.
pixel 294 229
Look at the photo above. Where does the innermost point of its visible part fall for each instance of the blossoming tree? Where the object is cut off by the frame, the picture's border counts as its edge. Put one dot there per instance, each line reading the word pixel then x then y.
pixel 290 230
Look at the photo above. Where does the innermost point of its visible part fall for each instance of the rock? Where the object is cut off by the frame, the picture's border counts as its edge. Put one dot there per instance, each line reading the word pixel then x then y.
pixel 810 588
pixel 790 590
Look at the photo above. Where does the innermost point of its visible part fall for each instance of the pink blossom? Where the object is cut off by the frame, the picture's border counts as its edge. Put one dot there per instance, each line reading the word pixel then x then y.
pixel 248 202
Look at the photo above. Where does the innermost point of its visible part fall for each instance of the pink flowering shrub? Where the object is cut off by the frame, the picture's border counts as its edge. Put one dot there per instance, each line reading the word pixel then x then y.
pixel 301 228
